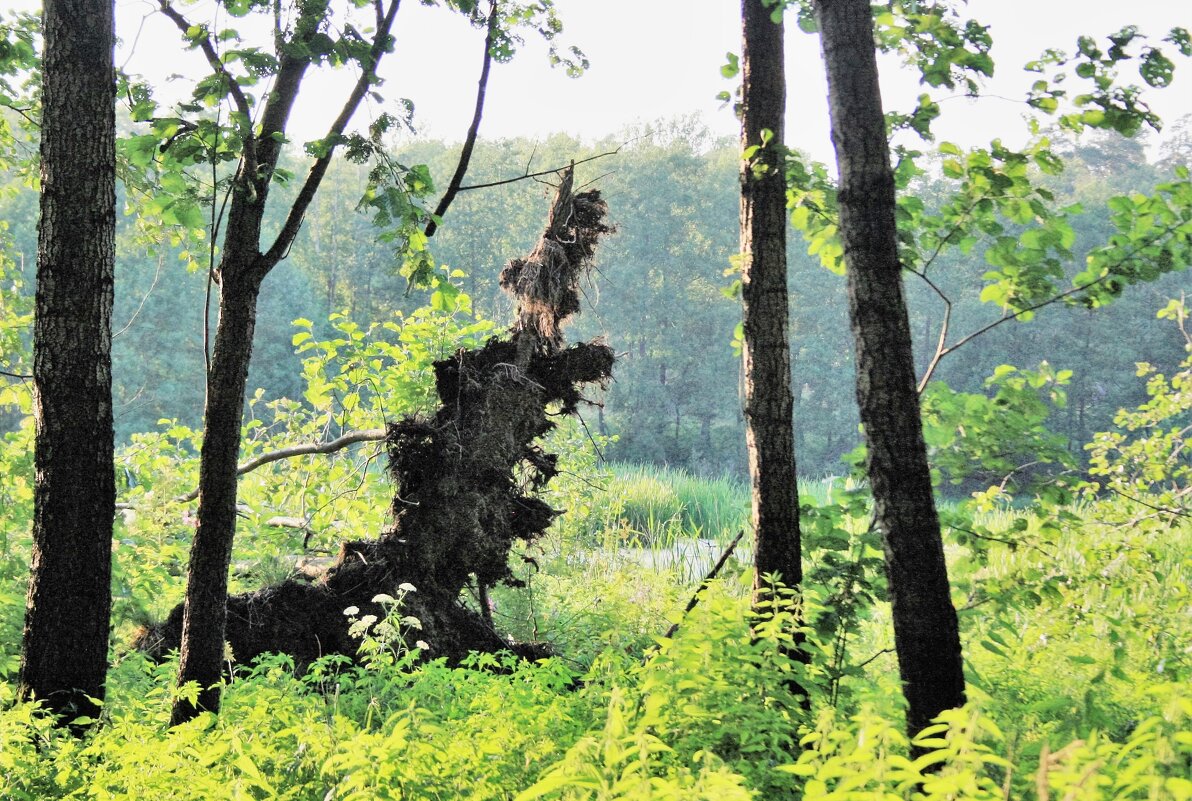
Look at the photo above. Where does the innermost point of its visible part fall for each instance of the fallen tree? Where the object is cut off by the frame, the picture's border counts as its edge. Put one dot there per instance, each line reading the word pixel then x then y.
pixel 467 478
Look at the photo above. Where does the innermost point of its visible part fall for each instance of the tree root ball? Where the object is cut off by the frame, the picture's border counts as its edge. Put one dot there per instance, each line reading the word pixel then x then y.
pixel 466 478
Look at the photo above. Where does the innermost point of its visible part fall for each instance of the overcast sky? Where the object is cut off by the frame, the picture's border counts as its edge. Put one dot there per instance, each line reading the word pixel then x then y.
pixel 654 59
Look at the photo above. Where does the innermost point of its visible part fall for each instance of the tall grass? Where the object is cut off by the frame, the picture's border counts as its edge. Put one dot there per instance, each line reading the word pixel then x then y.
pixel 655 505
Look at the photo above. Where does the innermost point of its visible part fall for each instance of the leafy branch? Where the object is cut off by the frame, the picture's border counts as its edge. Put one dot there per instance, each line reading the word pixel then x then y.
pixel 1108 273
pixel 293 223
pixel 200 37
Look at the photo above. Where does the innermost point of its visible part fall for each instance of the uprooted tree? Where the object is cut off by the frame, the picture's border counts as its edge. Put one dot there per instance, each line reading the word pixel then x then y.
pixel 466 478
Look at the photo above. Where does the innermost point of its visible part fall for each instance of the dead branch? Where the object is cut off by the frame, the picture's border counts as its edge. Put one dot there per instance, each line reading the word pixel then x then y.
pixel 552 171
pixel 703 585
pixel 339 443
pixel 465 155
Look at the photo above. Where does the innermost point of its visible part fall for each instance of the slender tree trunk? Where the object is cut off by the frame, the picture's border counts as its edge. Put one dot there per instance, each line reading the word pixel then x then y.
pixel 204 619
pixel 242 269
pixel 65 646
pixel 925 628
pixel 769 406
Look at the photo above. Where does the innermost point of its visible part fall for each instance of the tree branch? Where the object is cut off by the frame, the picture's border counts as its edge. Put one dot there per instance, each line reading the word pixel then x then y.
pixel 294 61
pixel 350 438
pixel 465 155
pixel 313 178
pixel 882 652
pixel 21 376
pixel 1015 315
pixel 551 171
pixel 1076 290
pixel 1012 544
pixel 1161 509
pixel 703 585
pixel 234 88
pixel 940 349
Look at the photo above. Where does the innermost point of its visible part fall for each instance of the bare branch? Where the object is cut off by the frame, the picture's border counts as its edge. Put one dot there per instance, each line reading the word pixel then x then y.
pixel 24 112
pixel 1076 290
pixel 156 276
pixel 317 170
pixel 882 652
pixel 551 171
pixel 703 585
pixel 350 438
pixel 21 376
pixel 465 155
pixel 940 346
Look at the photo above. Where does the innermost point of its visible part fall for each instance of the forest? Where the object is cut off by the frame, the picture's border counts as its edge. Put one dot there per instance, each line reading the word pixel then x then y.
pixel 652 465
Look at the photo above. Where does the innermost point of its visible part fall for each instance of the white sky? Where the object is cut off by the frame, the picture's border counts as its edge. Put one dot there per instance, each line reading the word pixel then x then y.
pixel 653 59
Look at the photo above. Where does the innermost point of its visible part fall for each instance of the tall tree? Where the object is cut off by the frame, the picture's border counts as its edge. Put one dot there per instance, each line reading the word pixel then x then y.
pixel 65 645
pixel 244 264
pixel 769 405
pixel 926 634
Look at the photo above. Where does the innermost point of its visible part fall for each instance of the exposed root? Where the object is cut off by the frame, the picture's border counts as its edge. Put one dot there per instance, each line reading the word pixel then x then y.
pixel 466 478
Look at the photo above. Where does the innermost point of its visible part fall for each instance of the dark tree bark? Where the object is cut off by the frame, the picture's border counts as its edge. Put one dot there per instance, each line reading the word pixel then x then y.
pixel 769 406
pixel 242 269
pixel 65 646
pixel 204 620
pixel 926 635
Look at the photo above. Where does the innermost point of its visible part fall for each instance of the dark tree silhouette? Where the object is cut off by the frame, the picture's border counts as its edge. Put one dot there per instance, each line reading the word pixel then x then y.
pixel 64 653
pixel 926 635
pixel 769 405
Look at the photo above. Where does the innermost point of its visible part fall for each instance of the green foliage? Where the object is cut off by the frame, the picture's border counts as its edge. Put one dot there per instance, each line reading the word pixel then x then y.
pixel 1077 627
pixel 1001 436
pixel 20 84
pixel 1146 455
pixel 649 505
pixel 16 512
pixel 16 317
pixel 361 377
pixel 933 39
pixel 706 715
pixel 1153 235
pixel 1104 101
pixel 1074 615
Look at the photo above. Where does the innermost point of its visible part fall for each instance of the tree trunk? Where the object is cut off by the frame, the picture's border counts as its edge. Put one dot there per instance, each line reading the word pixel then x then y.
pixel 241 271
pixel 65 645
pixel 242 268
pixel 769 406
pixel 204 620
pixel 925 628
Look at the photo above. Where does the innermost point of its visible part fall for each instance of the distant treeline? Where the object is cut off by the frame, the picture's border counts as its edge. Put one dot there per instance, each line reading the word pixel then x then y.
pixel 658 298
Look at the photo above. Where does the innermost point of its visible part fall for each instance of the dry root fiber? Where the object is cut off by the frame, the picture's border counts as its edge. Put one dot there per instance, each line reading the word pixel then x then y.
pixel 466 478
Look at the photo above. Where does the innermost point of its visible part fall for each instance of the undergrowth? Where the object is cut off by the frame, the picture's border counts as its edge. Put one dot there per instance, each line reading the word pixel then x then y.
pixel 1074 618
